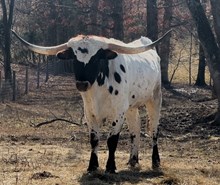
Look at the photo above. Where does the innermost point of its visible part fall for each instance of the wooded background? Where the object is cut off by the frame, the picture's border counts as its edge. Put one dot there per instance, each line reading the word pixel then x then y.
pixel 54 22
pixel 193 43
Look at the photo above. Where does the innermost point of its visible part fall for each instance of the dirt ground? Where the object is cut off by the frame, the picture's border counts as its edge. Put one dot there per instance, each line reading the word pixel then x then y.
pixel 58 153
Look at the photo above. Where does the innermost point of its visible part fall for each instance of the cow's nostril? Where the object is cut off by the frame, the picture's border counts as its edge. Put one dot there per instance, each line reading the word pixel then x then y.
pixel 82 85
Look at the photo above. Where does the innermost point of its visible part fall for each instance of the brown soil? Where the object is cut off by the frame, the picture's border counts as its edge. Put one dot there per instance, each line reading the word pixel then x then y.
pixel 58 153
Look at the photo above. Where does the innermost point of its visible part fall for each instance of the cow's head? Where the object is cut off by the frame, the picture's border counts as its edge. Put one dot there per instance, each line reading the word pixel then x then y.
pixel 90 55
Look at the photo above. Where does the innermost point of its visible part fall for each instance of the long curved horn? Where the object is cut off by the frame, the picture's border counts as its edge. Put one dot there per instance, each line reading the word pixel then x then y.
pixel 135 50
pixel 40 49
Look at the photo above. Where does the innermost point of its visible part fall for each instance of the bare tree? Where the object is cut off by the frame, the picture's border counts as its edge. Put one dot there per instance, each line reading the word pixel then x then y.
pixel 209 44
pixel 117 16
pixel 94 16
pixel 200 80
pixel 7 11
pixel 165 45
pixel 215 6
pixel 152 19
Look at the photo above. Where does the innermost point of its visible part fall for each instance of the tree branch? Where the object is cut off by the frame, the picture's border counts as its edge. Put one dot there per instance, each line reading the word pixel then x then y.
pixel 53 120
pixel 11 12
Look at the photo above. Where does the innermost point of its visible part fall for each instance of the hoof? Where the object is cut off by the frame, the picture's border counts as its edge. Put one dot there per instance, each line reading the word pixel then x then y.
pixel 156 167
pixel 91 170
pixel 133 163
pixel 136 167
pixel 110 171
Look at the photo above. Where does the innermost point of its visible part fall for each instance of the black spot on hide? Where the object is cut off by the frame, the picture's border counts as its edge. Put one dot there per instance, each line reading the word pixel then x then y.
pixel 117 77
pixel 83 50
pixel 122 68
pixel 116 92
pixel 133 96
pixel 110 89
pixel 113 124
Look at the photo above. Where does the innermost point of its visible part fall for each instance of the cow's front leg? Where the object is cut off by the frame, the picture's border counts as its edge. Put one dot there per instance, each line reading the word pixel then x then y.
pixel 94 141
pixel 112 143
pixel 133 121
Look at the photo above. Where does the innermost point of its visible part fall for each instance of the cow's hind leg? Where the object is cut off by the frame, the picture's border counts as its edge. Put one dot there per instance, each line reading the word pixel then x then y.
pixel 94 141
pixel 153 108
pixel 133 121
pixel 112 143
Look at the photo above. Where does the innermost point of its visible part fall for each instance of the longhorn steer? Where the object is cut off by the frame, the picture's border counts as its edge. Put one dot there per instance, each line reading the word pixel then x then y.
pixel 114 79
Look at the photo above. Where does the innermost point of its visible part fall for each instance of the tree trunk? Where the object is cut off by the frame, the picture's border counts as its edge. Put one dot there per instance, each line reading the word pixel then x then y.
pixel 215 6
pixel 117 16
pixel 165 45
pixel 152 19
pixel 93 17
pixel 51 38
pixel 200 80
pixel 7 55
pixel 7 23
pixel 209 45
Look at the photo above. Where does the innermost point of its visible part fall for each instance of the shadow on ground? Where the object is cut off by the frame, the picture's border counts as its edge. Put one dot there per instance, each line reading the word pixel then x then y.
pixel 133 177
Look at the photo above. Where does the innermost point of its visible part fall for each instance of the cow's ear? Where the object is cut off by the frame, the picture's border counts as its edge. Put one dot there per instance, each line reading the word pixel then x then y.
pixel 110 54
pixel 66 54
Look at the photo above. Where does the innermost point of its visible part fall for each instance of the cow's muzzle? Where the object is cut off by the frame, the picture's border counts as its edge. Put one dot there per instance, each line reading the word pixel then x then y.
pixel 83 85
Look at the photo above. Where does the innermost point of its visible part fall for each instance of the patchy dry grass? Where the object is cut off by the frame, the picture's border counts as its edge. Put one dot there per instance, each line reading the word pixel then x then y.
pixel 66 163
